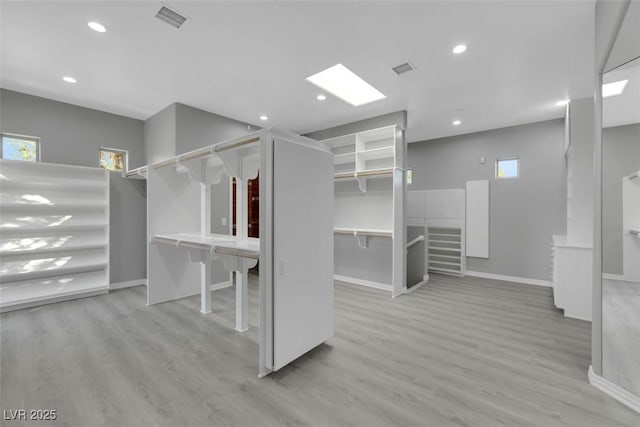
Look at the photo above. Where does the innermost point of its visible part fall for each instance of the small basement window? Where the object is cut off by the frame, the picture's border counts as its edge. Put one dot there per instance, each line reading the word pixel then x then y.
pixel 20 147
pixel 507 168
pixel 113 160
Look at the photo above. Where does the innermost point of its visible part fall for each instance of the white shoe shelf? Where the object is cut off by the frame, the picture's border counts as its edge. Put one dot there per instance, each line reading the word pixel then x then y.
pixel 54 241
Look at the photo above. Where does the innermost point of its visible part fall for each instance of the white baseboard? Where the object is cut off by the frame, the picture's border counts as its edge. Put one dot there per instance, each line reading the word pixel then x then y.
pixel 516 279
pixel 221 285
pixel 608 276
pixel 362 282
pixel 128 284
pixel 620 394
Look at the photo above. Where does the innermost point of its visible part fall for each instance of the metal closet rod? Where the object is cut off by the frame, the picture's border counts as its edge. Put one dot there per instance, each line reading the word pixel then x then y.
pixel 203 246
pixel 363 173
pixel 363 233
pixel 204 153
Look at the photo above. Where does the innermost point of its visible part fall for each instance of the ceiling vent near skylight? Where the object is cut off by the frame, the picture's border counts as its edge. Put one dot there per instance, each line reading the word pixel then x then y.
pixel 170 17
pixel 403 68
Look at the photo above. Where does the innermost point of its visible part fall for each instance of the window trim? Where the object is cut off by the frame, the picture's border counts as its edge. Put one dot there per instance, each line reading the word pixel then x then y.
pixel 36 139
pixel 125 167
pixel 501 159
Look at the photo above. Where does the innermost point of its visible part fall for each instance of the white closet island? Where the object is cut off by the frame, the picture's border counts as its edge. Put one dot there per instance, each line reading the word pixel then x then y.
pixel 295 247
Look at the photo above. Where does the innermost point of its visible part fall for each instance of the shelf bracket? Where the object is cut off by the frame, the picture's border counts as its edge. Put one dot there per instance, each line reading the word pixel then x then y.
pixel 362 182
pixel 362 239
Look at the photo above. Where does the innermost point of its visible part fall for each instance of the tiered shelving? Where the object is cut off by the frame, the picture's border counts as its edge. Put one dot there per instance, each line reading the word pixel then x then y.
pixel 445 250
pixel 55 233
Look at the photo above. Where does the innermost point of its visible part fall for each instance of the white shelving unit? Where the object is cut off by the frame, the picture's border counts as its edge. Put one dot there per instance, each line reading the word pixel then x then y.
pixel 445 250
pixel 296 263
pixel 54 244
pixel 369 194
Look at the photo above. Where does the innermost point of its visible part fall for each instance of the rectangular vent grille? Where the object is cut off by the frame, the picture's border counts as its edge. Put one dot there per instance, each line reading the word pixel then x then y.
pixel 170 17
pixel 402 68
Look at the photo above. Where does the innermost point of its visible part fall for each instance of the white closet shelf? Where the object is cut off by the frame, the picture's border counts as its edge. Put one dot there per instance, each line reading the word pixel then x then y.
pixel 137 173
pixel 447 256
pixel 376 153
pixel 346 158
pixel 7 253
pixel 70 203
pixel 363 232
pixel 453 242
pixel 219 243
pixel 377 134
pixel 36 228
pixel 30 291
pixel 445 270
pixel 47 182
pixel 55 265
pixel 209 151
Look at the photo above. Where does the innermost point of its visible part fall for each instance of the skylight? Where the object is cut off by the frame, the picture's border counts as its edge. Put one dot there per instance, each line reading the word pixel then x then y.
pixel 614 88
pixel 346 85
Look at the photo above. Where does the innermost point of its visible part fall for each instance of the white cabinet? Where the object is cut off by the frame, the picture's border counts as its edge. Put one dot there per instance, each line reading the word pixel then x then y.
pixel 572 277
pixel 54 221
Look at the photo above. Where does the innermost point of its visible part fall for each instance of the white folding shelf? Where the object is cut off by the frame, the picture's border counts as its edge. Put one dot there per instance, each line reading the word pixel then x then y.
pixel 369 194
pixel 295 248
pixel 54 224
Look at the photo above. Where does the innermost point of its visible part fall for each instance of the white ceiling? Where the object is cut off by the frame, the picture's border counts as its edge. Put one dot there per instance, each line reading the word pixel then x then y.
pixel 242 59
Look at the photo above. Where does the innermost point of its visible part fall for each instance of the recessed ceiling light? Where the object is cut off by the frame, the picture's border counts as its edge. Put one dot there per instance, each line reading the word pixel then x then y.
pixel 321 97
pixel 459 49
pixel 562 103
pixel 614 88
pixel 346 85
pixel 96 26
pixel 456 122
pixel 264 118
pixel 69 79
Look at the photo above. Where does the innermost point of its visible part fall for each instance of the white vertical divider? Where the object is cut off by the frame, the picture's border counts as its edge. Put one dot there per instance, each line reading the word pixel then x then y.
pixel 172 199
pixel 477 219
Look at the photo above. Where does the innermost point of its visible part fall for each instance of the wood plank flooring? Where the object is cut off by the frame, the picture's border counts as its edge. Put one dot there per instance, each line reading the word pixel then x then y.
pixel 457 352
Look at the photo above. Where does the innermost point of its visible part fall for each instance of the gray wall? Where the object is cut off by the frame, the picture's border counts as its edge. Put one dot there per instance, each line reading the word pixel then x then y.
pixel 524 212
pixel 375 262
pixel 197 128
pixel 620 156
pixel 72 135
pixel 160 135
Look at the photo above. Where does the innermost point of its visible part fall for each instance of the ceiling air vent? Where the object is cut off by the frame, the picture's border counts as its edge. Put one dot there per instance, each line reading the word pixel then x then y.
pixel 170 17
pixel 402 68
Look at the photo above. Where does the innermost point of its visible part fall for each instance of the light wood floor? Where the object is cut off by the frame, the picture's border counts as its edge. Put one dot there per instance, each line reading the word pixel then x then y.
pixel 470 352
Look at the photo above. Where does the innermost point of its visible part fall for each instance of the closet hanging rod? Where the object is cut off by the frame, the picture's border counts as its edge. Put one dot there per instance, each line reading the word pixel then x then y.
pixel 235 144
pixel 188 156
pixel 364 173
pixel 363 233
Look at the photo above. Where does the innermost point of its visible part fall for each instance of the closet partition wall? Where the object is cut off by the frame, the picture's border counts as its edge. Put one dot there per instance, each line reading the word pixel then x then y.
pixel 616 322
pixel 295 244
